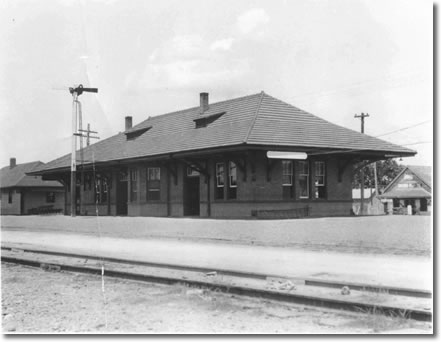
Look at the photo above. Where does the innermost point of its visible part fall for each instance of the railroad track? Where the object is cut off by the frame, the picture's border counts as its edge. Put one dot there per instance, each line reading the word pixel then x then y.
pixel 407 303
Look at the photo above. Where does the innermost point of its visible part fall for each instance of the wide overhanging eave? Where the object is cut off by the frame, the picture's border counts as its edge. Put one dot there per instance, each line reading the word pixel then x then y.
pixel 309 150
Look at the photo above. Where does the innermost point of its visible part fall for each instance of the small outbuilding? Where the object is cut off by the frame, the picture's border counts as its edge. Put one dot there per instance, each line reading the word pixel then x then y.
pixel 412 186
pixel 23 194
pixel 253 156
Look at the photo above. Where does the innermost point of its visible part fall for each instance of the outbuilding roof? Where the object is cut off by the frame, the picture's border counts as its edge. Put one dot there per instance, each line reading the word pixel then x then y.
pixel 258 119
pixel 16 176
pixel 422 172
pixel 407 193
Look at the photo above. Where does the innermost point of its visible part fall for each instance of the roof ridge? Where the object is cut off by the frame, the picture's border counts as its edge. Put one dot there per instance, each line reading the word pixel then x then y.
pixel 317 117
pixel 194 108
pixel 262 93
pixel 22 164
pixel 419 174
pixel 38 162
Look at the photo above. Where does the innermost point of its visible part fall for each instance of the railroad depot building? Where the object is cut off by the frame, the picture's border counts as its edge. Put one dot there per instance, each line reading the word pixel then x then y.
pixel 244 157
pixel 23 194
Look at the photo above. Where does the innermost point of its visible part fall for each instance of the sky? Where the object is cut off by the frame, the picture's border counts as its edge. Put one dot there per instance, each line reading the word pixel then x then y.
pixel 333 59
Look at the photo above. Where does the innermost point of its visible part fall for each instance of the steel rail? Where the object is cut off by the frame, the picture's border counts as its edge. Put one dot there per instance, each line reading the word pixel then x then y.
pixel 308 281
pixel 296 298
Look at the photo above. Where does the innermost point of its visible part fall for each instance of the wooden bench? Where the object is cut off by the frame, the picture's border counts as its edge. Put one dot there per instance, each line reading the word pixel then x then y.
pixel 281 213
pixel 44 210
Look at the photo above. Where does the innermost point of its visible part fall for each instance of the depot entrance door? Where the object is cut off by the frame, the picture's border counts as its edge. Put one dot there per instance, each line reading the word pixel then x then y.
pixel 122 193
pixel 191 194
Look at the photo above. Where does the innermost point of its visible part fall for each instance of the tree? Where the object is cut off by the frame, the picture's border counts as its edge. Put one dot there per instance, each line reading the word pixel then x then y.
pixel 387 170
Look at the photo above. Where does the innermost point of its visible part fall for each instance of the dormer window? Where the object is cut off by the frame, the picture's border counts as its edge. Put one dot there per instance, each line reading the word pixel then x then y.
pixel 205 120
pixel 134 133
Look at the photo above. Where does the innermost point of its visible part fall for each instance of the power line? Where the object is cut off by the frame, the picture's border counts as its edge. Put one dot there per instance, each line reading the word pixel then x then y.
pixel 392 80
pixel 377 136
pixel 418 143
pixel 402 129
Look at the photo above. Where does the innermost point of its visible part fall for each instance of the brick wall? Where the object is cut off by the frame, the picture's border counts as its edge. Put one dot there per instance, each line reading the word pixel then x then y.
pixel 37 198
pixel 32 198
pixel 256 190
pixel 10 208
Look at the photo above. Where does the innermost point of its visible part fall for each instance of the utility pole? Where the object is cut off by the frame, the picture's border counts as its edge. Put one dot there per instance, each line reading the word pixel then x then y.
pixel 76 105
pixel 362 116
pixel 88 137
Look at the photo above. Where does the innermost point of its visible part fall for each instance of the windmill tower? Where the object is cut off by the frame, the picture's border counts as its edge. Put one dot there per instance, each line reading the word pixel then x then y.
pixel 76 111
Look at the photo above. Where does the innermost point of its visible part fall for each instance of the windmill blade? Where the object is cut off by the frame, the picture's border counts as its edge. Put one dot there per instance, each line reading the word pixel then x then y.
pixel 60 88
pixel 67 88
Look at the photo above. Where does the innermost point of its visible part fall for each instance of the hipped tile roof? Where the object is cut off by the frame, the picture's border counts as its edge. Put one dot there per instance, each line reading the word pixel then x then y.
pixel 16 176
pixel 258 119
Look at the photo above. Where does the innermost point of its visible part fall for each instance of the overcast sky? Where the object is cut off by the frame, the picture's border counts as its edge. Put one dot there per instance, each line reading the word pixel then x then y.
pixel 333 59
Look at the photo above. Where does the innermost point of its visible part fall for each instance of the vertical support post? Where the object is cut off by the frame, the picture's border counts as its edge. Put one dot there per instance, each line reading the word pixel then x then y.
pixel 65 198
pixel 208 195
pixel 168 192
pixel 362 191
pixel 376 179
pixel 109 182
pixel 73 164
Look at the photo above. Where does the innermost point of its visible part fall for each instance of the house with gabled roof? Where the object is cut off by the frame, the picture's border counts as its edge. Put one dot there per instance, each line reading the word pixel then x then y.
pixel 412 186
pixel 249 156
pixel 23 194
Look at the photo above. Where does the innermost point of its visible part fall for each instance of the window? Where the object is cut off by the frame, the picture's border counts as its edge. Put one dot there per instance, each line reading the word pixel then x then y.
pixel 50 197
pixel 105 190
pixel 304 179
pixel 153 183
pixel 286 172
pixel 134 133
pixel 220 180
pixel 133 185
pixel 320 186
pixel 232 175
pixel 287 177
pixel 205 120
pixel 87 185
pixel 123 177
pixel 10 196
pixel 101 190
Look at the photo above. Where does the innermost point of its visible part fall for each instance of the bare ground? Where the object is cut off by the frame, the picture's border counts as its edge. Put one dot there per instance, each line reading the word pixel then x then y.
pixel 34 300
